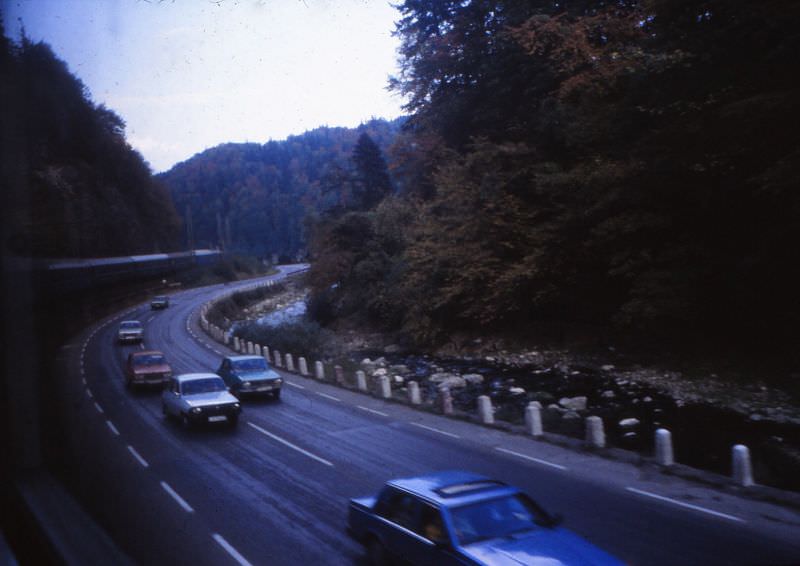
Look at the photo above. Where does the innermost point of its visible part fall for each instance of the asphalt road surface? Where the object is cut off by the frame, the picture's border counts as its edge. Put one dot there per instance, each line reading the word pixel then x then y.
pixel 275 490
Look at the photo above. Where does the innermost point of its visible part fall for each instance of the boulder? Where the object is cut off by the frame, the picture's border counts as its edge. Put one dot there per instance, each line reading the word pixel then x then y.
pixel 607 367
pixel 608 394
pixel 516 391
pixel 379 372
pixel 447 380
pixel 573 403
pixel 473 378
pixel 399 369
pixel 392 349
pixel 398 379
pixel 570 416
pixel 628 423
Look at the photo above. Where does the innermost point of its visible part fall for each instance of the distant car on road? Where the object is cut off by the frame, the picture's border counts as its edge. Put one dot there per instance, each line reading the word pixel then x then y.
pixel 159 302
pixel 250 375
pixel 463 518
pixel 148 367
pixel 195 398
pixel 130 331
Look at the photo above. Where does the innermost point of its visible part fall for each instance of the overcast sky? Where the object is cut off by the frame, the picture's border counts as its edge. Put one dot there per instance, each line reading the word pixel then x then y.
pixel 186 75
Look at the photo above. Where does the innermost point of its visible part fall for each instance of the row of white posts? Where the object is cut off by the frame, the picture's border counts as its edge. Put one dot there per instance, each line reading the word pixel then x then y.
pixel 595 434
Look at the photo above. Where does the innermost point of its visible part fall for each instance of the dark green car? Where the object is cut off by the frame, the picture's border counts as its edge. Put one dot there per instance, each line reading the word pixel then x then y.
pixel 250 375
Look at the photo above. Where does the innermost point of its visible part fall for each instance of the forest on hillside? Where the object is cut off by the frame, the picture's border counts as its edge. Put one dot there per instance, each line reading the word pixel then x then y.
pixel 256 199
pixel 630 164
pixel 72 185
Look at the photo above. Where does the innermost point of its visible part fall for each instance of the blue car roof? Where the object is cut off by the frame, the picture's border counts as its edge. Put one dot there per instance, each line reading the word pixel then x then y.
pixel 454 488
pixel 249 357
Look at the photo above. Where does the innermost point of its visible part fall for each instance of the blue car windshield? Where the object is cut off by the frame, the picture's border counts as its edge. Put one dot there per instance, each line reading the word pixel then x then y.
pixel 254 364
pixel 209 385
pixel 130 325
pixel 495 518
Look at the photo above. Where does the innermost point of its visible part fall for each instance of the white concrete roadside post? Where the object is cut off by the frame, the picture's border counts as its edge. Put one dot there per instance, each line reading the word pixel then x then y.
pixel 319 371
pixel 446 400
pixel 533 419
pixel 250 349
pixel 257 349
pixel 485 412
pixel 277 355
pixel 742 469
pixel 303 366
pixel 664 455
pixel 595 435
pixel 227 338
pixel 289 362
pixel 361 380
pixel 384 387
pixel 236 343
pixel 265 353
pixel 413 393
pixel 338 373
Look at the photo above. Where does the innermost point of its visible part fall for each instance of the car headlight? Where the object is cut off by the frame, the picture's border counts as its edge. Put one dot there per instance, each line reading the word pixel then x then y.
pixel 167 374
pixel 278 381
pixel 236 405
pixel 196 410
pixel 247 384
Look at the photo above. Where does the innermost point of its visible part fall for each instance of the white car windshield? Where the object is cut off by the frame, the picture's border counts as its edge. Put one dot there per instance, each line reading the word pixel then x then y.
pixel 208 385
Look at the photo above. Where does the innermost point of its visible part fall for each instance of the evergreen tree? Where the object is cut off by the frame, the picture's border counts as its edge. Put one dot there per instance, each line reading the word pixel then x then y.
pixel 372 175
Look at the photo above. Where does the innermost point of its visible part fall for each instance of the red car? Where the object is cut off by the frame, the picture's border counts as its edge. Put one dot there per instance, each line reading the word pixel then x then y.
pixel 148 367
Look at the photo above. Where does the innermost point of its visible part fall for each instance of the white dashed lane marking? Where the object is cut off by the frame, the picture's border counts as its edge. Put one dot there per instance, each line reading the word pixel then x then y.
pixel 112 428
pixel 331 397
pixel 531 458
pixel 430 428
pixel 89 393
pixel 296 385
pixel 174 495
pixel 98 407
pixel 138 456
pixel 686 505
pixel 381 413
pixel 230 550
pixel 290 445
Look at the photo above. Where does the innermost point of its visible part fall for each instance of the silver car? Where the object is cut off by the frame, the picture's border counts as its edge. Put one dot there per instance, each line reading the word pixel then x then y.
pixel 195 398
pixel 130 331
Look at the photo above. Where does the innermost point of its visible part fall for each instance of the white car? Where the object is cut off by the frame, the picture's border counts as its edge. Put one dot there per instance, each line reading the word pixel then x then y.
pixel 130 331
pixel 195 398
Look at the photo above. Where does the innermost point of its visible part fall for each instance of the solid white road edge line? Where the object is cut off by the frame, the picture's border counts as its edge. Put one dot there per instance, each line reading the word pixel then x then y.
pixel 381 413
pixel 138 456
pixel 331 397
pixel 180 500
pixel 98 407
pixel 531 458
pixel 112 428
pixel 230 550
pixel 426 427
pixel 686 505
pixel 290 445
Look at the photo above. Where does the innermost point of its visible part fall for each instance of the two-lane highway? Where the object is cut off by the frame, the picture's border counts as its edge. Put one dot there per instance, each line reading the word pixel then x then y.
pixel 275 490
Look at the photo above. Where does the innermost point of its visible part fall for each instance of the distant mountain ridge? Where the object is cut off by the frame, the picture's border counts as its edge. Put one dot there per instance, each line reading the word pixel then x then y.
pixel 253 198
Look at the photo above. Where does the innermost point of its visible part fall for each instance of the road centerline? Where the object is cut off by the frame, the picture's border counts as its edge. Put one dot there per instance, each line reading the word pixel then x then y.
pixel 174 495
pixel 331 397
pixel 381 413
pixel 531 458
pixel 138 456
pixel 230 550
pixel 432 429
pixel 290 445
pixel 686 505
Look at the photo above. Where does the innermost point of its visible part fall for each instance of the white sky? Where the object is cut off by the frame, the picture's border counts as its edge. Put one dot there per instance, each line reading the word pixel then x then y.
pixel 186 75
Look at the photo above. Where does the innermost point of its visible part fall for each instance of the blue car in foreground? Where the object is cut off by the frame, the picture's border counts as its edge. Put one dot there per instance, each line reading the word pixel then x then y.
pixel 463 518
pixel 250 375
